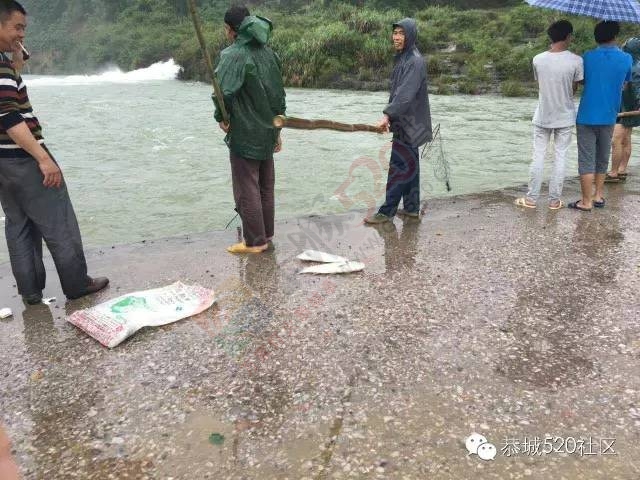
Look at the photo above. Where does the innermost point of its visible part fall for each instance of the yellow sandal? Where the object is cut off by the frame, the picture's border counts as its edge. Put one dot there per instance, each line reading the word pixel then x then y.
pixel 522 202
pixel 242 248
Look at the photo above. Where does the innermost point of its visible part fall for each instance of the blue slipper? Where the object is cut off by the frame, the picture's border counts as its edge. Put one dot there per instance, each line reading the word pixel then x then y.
pixel 598 203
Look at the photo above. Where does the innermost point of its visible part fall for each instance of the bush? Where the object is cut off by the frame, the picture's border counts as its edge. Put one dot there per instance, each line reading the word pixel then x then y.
pixel 330 71
pixel 517 65
pixel 478 72
pixel 512 89
pixel 443 89
pixel 370 21
pixel 435 65
pixel 336 40
pixel 376 52
pixel 468 87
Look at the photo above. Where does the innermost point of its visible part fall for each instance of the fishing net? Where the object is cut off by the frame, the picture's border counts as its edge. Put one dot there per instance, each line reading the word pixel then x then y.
pixel 433 152
pixel 235 223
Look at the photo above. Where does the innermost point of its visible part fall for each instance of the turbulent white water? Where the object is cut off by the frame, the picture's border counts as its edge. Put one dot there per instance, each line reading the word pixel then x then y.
pixel 158 71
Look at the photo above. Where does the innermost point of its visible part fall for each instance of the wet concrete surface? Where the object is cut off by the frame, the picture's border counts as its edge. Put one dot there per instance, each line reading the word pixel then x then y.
pixel 516 324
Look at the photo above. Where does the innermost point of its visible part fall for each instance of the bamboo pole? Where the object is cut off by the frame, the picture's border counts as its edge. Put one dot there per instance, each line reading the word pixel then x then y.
pixel 632 113
pixel 205 51
pixel 280 121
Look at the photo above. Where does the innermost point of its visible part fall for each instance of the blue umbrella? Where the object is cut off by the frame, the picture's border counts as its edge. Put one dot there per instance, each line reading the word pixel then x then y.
pixel 618 10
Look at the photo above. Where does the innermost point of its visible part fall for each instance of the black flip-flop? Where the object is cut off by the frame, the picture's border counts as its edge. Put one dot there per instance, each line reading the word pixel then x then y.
pixel 575 206
pixel 599 203
pixel 609 179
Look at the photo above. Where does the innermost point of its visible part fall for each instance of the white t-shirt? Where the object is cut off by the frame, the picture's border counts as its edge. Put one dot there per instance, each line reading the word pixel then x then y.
pixel 556 72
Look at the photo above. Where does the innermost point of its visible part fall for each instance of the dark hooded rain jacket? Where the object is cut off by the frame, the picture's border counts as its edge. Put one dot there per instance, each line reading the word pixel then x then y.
pixel 631 94
pixel 408 107
pixel 251 81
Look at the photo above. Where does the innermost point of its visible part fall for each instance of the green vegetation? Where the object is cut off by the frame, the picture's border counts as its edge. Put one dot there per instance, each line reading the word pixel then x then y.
pixel 322 43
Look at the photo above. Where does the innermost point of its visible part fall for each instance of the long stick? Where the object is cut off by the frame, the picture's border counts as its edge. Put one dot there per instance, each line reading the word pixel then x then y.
pixel 280 121
pixel 632 113
pixel 205 51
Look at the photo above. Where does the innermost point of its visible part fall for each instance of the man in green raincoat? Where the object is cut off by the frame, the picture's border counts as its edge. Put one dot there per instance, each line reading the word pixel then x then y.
pixel 251 82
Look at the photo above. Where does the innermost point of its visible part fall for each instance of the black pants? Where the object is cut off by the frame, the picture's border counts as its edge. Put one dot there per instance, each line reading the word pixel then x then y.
pixel 34 212
pixel 253 191
pixel 403 181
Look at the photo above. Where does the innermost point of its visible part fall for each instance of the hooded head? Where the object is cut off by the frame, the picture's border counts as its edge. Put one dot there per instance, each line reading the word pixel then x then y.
pixel 632 47
pixel 254 29
pixel 410 28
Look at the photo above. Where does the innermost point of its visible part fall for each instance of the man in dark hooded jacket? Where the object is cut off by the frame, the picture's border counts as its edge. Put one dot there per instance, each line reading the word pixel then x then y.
pixel 251 82
pixel 621 142
pixel 409 118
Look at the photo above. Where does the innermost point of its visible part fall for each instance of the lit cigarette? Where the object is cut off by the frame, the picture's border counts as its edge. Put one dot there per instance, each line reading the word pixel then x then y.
pixel 25 52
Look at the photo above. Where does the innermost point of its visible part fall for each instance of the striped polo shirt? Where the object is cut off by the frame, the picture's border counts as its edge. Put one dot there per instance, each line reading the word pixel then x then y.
pixel 14 108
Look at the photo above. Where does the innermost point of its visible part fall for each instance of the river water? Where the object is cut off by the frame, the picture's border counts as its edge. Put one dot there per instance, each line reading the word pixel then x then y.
pixel 144 158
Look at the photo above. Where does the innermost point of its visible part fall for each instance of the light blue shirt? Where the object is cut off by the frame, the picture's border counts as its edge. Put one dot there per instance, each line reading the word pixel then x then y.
pixel 605 70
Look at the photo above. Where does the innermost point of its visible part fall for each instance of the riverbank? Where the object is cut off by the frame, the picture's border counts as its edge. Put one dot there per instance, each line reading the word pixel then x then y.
pixel 483 317
pixel 333 45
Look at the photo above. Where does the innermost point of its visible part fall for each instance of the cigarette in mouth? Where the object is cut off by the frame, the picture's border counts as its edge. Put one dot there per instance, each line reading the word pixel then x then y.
pixel 25 52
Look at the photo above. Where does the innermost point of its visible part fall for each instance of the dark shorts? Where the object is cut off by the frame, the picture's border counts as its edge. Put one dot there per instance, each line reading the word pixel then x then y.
pixel 629 122
pixel 594 147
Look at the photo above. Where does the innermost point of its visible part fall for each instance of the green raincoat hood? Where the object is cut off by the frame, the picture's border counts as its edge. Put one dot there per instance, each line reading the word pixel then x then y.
pixel 254 29
pixel 250 78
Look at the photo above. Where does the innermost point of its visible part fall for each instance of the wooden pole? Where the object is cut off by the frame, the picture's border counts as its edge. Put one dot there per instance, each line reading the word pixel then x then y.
pixel 281 121
pixel 205 51
pixel 632 113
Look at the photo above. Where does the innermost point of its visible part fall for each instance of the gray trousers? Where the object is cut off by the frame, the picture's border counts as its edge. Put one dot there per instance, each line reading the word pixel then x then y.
pixel 594 147
pixel 34 212
pixel 253 191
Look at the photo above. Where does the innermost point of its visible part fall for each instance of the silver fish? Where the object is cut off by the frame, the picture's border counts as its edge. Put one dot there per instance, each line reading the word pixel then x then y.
pixel 333 268
pixel 316 256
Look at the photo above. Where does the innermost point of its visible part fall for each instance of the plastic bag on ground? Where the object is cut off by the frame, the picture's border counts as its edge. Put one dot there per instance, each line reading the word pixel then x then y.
pixel 110 323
